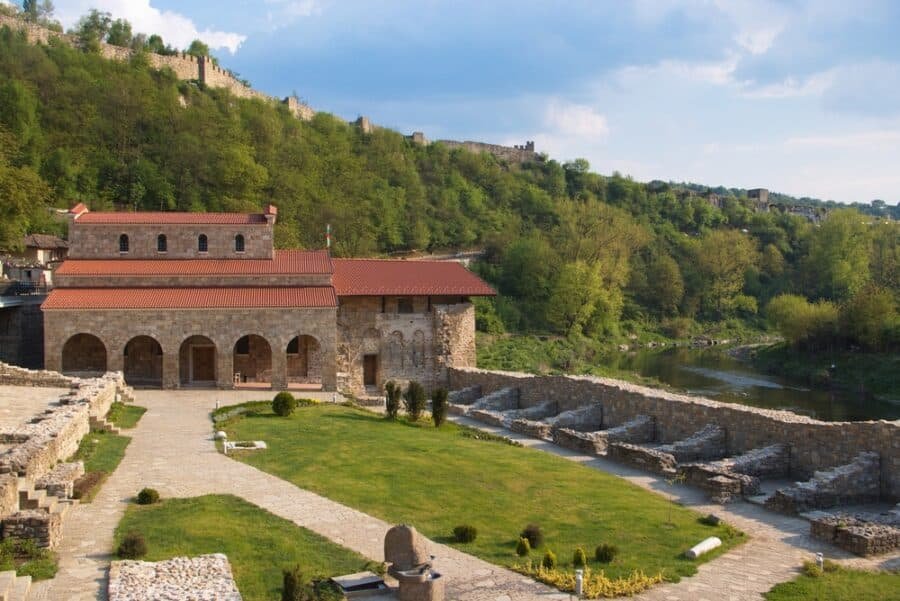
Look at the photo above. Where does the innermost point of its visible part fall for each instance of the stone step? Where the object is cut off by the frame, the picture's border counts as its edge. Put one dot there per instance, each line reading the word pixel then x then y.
pixel 20 589
pixel 31 499
pixel 6 583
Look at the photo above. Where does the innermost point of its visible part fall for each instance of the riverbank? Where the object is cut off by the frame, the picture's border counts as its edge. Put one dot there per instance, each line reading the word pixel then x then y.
pixel 869 375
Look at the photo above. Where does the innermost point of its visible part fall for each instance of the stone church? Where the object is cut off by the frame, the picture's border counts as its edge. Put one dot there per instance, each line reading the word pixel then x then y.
pixel 203 299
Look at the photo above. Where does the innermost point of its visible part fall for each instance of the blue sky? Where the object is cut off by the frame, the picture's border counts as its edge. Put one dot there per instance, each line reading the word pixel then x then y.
pixel 801 97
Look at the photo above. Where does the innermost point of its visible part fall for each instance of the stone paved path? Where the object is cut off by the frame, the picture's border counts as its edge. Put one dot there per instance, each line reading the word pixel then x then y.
pixel 777 548
pixel 171 450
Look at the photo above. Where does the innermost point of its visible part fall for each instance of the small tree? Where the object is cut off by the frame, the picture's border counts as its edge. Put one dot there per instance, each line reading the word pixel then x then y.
pixel 284 404
pixel 414 400
pixel 579 559
pixel 439 406
pixel 392 394
pixel 523 547
pixel 147 496
pixel 534 534
pixel 549 560
pixel 293 588
pixel 132 546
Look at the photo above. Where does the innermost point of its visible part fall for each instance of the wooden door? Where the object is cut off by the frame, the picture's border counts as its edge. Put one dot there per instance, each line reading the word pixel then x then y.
pixel 204 363
pixel 370 370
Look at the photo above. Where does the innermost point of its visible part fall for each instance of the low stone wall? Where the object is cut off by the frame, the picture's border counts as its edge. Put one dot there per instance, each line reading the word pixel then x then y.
pixel 205 577
pixel 532 428
pixel 466 396
pixel 9 494
pixel 722 484
pixel 583 419
pixel 706 443
pixel 500 400
pixel 13 375
pixel 492 418
pixel 814 444
pixel 860 536
pixel 60 481
pixel 641 429
pixel 850 484
pixel 44 528
pixel 644 458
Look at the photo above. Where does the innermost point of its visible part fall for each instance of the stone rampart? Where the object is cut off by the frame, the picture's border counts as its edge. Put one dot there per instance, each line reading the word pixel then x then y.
pixel 512 154
pixel 814 444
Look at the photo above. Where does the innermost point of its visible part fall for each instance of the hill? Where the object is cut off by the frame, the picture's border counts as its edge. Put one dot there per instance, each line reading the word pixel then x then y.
pixel 571 252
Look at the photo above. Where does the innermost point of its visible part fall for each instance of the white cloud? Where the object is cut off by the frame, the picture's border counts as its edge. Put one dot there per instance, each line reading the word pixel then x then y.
pixel 175 28
pixel 865 139
pixel 282 13
pixel 792 87
pixel 579 120
pixel 720 72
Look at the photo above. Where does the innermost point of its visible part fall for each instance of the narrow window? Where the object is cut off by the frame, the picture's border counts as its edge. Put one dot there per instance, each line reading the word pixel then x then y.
pixel 404 305
pixel 239 243
pixel 123 243
pixel 202 244
pixel 162 244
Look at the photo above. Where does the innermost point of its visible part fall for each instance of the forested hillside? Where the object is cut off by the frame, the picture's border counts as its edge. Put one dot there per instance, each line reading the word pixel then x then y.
pixel 571 252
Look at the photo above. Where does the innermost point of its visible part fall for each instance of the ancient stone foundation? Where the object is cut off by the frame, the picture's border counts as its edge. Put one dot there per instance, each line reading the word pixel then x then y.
pixel 12 375
pixel 857 535
pixel 60 481
pixel 641 429
pixel 204 578
pixel 644 458
pixel 44 528
pixel 850 484
pixel 707 443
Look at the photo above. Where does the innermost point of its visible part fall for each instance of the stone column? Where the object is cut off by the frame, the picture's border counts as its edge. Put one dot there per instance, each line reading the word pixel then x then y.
pixel 329 369
pixel 115 358
pixel 279 369
pixel 170 365
pixel 224 367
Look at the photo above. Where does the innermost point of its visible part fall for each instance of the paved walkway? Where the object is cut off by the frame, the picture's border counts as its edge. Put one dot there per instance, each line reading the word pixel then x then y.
pixel 777 548
pixel 172 450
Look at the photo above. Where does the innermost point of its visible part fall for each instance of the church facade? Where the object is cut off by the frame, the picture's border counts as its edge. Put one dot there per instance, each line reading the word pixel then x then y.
pixel 177 300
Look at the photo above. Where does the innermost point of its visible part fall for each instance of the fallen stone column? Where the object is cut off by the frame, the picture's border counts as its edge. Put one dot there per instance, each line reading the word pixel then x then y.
pixel 855 483
pixel 706 443
pixel 645 458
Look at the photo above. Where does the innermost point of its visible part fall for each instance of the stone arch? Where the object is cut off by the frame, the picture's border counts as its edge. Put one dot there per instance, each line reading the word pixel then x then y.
pixel 252 359
pixel 304 360
pixel 197 361
pixel 84 355
pixel 142 362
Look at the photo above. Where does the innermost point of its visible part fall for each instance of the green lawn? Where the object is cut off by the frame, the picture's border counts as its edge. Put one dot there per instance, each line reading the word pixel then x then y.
pixel 438 479
pixel 101 453
pixel 839 585
pixel 258 544
pixel 125 416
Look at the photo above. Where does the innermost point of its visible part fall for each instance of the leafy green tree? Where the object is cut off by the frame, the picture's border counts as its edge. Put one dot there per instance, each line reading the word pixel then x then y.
pixel 722 258
pixel 802 323
pixel 839 255
pixel 574 299
pixel 197 48
pixel 870 317
pixel 92 29
pixel 120 33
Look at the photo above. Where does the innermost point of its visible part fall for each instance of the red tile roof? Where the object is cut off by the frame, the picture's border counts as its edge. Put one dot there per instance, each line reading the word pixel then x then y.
pixel 189 298
pixel 286 262
pixel 374 277
pixel 170 218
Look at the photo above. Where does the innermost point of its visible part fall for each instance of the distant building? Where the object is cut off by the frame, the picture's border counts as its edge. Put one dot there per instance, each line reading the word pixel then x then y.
pixel 36 263
pixel 759 199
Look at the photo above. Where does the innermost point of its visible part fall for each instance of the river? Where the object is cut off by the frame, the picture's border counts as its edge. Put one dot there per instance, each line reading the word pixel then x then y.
pixel 715 374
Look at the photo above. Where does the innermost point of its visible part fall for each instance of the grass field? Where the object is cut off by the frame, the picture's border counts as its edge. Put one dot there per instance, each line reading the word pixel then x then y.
pixel 839 585
pixel 101 452
pixel 258 544
pixel 125 416
pixel 439 479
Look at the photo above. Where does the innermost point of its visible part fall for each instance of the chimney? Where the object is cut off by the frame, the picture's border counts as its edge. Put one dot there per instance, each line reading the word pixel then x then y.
pixel 271 213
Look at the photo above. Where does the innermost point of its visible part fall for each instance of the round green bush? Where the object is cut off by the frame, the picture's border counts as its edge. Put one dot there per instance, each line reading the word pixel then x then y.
pixel 132 546
pixel 534 534
pixel 284 404
pixel 523 548
pixel 579 559
pixel 549 560
pixel 605 553
pixel 147 496
pixel 465 533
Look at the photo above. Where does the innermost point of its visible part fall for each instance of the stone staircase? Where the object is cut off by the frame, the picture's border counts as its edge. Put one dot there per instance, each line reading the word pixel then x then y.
pixel 99 424
pixel 31 498
pixel 14 588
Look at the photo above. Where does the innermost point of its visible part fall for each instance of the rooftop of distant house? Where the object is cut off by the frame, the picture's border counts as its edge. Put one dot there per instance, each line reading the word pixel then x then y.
pixel 44 242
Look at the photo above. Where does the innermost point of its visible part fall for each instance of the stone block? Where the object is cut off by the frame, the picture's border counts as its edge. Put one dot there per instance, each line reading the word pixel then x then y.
pixel 44 528
pixel 706 443
pixel 645 458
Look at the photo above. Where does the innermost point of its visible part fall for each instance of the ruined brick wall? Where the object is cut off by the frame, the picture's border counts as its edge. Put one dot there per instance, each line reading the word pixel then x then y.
pixel 97 241
pixel 170 328
pixel 815 444
pixel 410 346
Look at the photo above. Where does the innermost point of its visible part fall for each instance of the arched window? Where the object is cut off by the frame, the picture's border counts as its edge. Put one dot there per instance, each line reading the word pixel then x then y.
pixel 239 243
pixel 123 243
pixel 162 245
pixel 202 244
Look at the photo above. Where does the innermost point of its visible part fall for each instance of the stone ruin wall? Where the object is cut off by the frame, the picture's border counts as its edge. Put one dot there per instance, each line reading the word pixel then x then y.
pixel 815 445
pixel 508 153
pixel 185 66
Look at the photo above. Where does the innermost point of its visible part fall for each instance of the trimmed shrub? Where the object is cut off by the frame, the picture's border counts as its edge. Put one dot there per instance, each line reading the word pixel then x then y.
pixel 147 496
pixel 392 394
pixel 414 400
pixel 465 533
pixel 439 406
pixel 523 547
pixel 292 585
pixel 605 553
pixel 579 559
pixel 132 546
pixel 534 534
pixel 284 404
pixel 549 560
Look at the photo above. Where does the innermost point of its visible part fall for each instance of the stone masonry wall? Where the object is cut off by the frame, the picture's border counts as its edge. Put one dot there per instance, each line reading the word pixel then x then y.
pixel 814 444
pixel 508 153
pixel 12 375
pixel 170 328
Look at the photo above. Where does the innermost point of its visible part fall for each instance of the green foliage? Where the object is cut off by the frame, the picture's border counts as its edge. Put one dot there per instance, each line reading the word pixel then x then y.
pixel 133 546
pixel 523 547
pixel 579 558
pixel 147 496
pixel 125 416
pixel 837 584
pixel 465 533
pixel 487 318
pixel 548 562
pixel 27 559
pixel 595 585
pixel 284 403
pixel 439 406
pixel 534 534
pixel 803 323
pixel 101 452
pixel 839 254
pixel 392 394
pixel 605 552
pixel 414 400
